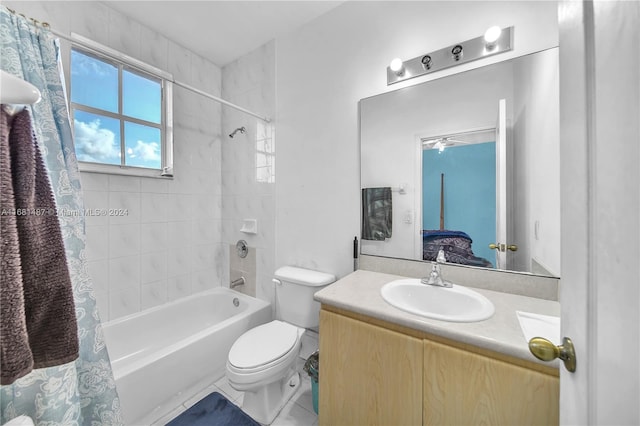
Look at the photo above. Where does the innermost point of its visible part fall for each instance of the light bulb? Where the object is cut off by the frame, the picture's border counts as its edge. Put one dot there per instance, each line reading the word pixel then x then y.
pixel 492 35
pixel 397 66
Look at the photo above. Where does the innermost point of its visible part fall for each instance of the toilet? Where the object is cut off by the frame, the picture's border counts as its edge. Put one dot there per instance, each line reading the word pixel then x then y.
pixel 262 361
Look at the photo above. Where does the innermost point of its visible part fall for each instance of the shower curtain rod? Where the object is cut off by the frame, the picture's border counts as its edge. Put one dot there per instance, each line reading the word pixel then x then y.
pixel 176 82
pixel 220 100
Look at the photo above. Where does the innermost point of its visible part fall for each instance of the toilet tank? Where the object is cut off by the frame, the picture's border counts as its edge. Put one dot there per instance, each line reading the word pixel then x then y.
pixel 295 288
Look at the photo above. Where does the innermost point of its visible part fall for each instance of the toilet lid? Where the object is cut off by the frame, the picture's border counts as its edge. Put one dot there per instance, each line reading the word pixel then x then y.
pixel 263 344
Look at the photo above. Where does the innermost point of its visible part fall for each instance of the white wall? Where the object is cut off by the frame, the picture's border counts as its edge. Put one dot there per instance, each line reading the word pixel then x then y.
pixel 537 164
pixel 169 245
pixel 250 82
pixel 325 68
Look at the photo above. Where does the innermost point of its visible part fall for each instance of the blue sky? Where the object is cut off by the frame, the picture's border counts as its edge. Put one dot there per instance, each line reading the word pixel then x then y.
pixel 97 137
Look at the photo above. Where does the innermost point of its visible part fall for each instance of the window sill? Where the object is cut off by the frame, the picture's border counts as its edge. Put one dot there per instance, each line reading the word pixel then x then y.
pixel 122 170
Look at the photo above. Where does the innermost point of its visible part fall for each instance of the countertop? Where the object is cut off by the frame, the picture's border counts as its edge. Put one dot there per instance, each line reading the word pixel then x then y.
pixel 359 292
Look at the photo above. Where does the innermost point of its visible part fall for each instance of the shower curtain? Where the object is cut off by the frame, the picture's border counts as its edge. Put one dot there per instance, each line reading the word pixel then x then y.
pixel 82 392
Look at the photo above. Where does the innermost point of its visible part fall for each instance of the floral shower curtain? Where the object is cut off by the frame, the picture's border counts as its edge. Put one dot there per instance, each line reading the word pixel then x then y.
pixel 82 392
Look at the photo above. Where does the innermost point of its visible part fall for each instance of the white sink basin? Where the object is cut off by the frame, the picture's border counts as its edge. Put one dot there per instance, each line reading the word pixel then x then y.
pixel 455 304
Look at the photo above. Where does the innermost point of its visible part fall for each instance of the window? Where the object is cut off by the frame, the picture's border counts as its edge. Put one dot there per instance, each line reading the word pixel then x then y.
pixel 121 113
pixel 265 154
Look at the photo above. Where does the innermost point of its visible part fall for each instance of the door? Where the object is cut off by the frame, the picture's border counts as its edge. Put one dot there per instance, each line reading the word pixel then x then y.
pixel 599 152
pixel 501 186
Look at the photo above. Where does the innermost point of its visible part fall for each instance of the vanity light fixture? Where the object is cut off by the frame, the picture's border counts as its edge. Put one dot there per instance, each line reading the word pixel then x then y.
pixel 495 40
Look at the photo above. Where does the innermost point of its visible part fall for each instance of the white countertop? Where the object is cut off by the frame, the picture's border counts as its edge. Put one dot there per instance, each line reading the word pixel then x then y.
pixel 359 292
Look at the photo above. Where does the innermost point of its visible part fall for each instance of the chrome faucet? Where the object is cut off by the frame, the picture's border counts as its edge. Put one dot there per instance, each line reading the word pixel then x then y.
pixel 435 277
pixel 237 282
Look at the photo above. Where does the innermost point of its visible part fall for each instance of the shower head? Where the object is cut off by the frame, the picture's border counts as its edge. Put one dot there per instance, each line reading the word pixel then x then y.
pixel 239 129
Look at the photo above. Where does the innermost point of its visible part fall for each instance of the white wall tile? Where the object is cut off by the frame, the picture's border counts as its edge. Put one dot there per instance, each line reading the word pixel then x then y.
pixel 124 240
pixel 204 280
pixel 124 273
pixel 154 185
pixel 179 234
pixel 204 232
pixel 97 246
pixel 153 48
pixel 153 266
pixel 153 236
pixel 204 256
pixel 124 302
pixel 206 207
pixel 179 261
pixel 178 286
pixel 179 62
pixel 94 203
pixel 124 207
pixel 118 183
pixel 153 294
pixel 153 207
pixel 90 20
pixel 99 270
pixel 124 34
pixel 94 181
pixel 180 207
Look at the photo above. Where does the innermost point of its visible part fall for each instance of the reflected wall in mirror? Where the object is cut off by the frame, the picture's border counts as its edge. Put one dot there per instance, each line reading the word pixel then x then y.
pixel 495 130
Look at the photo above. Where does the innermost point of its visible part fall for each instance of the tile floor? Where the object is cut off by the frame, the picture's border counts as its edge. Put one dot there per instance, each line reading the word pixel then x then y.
pixel 297 412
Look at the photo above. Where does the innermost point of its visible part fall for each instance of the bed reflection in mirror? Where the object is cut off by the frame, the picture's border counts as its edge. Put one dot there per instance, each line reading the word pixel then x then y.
pixel 459 197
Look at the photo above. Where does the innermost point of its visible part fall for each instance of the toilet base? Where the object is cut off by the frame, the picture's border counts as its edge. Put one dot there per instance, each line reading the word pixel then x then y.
pixel 265 404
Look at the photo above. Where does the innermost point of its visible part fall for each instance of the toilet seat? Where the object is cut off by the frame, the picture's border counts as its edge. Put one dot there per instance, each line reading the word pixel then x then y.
pixel 263 347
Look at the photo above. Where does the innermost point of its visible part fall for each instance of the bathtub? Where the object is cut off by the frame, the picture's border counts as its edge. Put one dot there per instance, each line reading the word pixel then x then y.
pixel 165 355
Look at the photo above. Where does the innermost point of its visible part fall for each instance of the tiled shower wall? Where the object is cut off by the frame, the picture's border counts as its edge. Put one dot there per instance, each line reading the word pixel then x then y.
pixel 248 166
pixel 170 243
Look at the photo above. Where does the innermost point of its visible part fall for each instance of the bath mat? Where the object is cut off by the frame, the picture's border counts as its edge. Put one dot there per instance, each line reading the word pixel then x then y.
pixel 213 410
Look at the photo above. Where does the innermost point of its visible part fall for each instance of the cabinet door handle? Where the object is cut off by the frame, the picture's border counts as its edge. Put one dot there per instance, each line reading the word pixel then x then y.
pixel 545 350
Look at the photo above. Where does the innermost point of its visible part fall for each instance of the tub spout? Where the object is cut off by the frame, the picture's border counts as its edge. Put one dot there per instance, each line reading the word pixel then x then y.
pixel 237 282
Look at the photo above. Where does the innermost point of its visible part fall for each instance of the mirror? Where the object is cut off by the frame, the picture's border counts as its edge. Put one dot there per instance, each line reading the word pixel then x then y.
pixel 501 121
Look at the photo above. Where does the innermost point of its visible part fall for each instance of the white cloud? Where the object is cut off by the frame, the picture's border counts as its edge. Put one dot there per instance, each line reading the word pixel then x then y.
pixel 88 66
pixel 145 151
pixel 94 143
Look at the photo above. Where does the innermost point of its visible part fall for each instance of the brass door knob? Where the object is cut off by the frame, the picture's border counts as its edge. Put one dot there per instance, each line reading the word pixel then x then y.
pixel 503 247
pixel 545 350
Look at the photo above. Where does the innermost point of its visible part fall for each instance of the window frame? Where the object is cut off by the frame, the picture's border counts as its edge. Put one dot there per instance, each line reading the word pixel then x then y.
pixel 123 63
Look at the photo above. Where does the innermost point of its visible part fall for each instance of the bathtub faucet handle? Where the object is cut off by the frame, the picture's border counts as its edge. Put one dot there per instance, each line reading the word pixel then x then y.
pixel 237 282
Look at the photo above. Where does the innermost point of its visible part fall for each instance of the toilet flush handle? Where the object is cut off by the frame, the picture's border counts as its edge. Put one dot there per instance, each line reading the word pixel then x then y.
pixel 276 281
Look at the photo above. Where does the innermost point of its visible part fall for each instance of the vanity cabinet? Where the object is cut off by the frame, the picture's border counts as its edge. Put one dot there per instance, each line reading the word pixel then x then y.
pixel 465 388
pixel 368 375
pixel 378 373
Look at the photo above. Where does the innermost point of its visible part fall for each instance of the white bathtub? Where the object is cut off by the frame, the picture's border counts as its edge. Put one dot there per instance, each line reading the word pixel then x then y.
pixel 164 355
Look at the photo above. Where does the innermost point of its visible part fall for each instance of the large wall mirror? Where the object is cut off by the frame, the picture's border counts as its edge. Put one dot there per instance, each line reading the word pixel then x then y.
pixel 467 163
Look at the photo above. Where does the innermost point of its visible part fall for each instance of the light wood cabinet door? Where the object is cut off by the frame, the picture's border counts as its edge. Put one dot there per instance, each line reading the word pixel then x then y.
pixel 463 388
pixel 368 375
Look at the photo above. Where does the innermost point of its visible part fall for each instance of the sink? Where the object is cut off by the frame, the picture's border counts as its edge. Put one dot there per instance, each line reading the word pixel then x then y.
pixel 455 304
